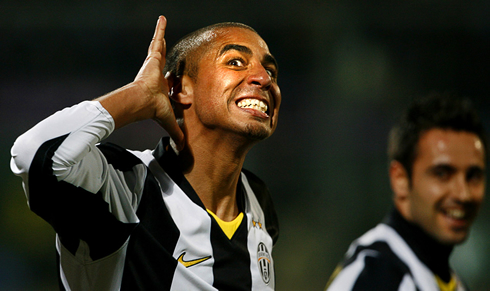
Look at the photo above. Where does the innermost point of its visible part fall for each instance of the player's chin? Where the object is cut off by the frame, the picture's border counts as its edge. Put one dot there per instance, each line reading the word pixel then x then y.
pixel 258 132
pixel 454 237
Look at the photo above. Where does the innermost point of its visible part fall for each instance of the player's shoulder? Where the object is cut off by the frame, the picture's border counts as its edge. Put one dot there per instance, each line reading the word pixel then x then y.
pixel 259 187
pixel 384 259
pixel 252 178
pixel 376 248
pixel 382 271
pixel 370 267
pixel 263 196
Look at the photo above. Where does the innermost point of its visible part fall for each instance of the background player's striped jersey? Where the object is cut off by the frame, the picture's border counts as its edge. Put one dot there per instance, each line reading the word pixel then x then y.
pixel 383 260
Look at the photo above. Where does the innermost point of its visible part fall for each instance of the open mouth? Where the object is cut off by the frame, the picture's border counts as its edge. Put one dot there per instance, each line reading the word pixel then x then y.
pixel 254 104
pixel 456 214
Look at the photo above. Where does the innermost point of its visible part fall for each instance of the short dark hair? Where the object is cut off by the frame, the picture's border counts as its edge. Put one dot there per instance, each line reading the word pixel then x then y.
pixel 437 110
pixel 184 56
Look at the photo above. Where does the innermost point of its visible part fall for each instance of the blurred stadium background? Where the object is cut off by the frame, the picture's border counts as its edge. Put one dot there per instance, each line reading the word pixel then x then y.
pixel 347 69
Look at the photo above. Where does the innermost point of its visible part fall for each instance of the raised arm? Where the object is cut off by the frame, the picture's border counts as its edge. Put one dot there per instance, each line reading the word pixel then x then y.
pixel 88 123
pixel 147 96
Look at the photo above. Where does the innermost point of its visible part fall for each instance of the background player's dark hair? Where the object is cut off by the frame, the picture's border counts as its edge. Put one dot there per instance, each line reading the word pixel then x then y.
pixel 184 56
pixel 443 111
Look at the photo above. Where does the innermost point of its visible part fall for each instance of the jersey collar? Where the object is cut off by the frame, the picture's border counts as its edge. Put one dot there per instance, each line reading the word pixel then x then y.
pixel 170 163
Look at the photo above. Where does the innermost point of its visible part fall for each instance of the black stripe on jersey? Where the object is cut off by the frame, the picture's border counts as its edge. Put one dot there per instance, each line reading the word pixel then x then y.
pixel 73 212
pixel 263 196
pixel 169 162
pixel 149 262
pixel 382 272
pixel 231 256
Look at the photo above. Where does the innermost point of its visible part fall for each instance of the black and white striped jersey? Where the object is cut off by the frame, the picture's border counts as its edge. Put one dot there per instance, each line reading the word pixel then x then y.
pixel 395 256
pixel 129 220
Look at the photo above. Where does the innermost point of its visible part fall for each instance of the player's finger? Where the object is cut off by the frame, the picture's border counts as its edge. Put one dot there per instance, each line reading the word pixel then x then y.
pixel 158 42
pixel 174 131
pixel 177 136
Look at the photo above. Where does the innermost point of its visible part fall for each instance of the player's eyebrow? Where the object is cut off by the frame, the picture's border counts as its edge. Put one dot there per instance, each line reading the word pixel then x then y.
pixel 237 47
pixel 442 167
pixel 268 58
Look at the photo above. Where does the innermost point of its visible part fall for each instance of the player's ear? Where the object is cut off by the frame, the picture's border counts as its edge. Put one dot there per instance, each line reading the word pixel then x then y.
pixel 181 89
pixel 400 184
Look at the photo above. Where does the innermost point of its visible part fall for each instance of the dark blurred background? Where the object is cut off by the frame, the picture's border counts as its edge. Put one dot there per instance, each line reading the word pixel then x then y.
pixel 347 69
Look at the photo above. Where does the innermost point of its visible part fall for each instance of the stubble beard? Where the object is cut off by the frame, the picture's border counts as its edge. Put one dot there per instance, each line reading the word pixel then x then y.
pixel 256 133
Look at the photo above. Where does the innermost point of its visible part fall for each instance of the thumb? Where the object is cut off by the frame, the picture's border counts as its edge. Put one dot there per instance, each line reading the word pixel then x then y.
pixel 174 131
pixel 177 136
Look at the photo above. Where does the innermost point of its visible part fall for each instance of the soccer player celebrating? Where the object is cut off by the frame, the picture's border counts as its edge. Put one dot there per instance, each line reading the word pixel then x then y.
pixel 184 216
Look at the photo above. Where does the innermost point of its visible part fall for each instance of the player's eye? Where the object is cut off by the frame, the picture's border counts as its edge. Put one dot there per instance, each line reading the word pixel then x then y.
pixel 442 172
pixel 237 62
pixel 475 174
pixel 271 72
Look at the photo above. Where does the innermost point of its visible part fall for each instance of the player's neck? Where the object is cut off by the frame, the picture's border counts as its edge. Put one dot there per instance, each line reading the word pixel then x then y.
pixel 216 189
pixel 214 151
pixel 213 169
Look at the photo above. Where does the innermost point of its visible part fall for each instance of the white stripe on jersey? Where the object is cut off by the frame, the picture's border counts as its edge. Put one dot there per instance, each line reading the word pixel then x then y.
pixel 407 284
pixel 197 227
pixel 256 235
pixel 344 281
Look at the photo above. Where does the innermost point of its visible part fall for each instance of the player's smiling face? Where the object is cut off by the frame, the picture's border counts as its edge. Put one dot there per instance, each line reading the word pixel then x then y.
pixel 448 184
pixel 236 86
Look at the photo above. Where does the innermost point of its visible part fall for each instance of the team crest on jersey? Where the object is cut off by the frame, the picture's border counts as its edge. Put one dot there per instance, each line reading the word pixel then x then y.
pixel 264 262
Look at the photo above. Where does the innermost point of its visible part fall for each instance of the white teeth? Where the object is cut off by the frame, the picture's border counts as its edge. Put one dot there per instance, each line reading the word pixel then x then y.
pixel 253 104
pixel 456 213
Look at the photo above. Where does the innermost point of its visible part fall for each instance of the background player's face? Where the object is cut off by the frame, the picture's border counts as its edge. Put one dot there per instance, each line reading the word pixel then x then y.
pixel 237 72
pixel 448 184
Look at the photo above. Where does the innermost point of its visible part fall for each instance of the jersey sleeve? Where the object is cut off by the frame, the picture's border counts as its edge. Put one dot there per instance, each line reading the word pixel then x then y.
pixel 81 126
pixel 69 182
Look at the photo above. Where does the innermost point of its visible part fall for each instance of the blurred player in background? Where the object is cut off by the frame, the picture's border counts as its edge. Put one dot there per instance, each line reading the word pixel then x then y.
pixel 437 174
